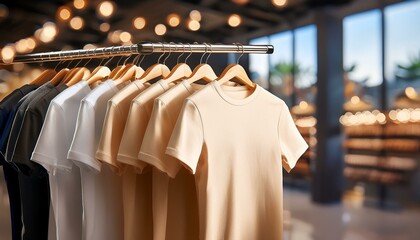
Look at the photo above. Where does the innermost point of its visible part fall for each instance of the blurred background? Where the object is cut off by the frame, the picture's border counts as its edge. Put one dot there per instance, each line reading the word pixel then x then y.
pixel 349 70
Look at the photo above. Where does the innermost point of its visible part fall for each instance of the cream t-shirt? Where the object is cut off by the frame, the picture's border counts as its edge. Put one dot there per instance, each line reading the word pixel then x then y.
pixel 233 140
pixel 138 118
pixel 137 193
pixel 101 186
pixel 180 221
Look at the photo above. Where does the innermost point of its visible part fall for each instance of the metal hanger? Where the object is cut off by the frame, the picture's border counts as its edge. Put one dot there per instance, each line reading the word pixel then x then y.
pixel 179 72
pixel 202 72
pixel 156 70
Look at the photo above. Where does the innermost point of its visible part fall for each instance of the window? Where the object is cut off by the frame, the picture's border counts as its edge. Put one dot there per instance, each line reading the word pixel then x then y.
pixel 281 63
pixel 402 54
pixel 362 56
pixel 258 64
pixel 305 63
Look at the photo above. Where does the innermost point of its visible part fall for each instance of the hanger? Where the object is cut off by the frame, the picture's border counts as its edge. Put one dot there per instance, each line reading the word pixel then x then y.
pixel 156 70
pixel 236 71
pixel 81 73
pixel 203 71
pixel 60 75
pixel 129 72
pixel 98 73
pixel 180 71
pixel 44 77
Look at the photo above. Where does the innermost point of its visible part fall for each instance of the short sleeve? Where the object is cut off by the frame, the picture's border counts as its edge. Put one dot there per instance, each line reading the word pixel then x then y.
pixel 292 144
pixel 156 139
pixel 82 150
pixel 133 136
pixel 109 142
pixel 187 138
pixel 50 150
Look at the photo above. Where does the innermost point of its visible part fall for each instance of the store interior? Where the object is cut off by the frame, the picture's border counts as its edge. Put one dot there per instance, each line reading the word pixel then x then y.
pixel 349 71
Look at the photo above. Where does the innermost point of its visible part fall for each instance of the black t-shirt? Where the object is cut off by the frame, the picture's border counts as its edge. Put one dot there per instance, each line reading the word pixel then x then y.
pixel 33 178
pixel 30 128
pixel 7 106
pixel 19 116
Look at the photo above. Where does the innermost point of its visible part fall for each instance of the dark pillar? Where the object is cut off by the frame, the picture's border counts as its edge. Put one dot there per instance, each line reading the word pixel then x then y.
pixel 328 175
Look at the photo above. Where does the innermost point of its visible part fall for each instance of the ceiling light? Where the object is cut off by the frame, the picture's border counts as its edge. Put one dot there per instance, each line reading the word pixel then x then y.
pixel 106 9
pixel 21 46
pixel 173 19
pixel 194 25
pixel 234 20
pixel 77 23
pixel 355 100
pixel 79 4
pixel 114 36
pixel 104 27
pixel 195 15
pixel 4 11
pixel 411 92
pixel 8 53
pixel 160 29
pixel 89 46
pixel 48 32
pixel 240 2
pixel 31 43
pixel 279 3
pixel 125 37
pixel 64 13
pixel 139 22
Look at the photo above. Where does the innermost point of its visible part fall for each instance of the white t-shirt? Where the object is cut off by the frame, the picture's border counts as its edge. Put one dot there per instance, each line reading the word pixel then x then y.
pixel 101 187
pixel 233 141
pixel 51 152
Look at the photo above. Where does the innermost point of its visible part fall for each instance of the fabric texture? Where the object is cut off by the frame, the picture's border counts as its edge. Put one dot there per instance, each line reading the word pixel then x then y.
pixel 51 152
pixel 233 141
pixel 176 198
pixel 101 186
pixel 137 195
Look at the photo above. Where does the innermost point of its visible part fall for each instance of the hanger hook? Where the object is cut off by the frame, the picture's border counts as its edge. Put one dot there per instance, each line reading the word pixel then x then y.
pixel 110 59
pixel 78 55
pixel 239 45
pixel 210 52
pixel 205 52
pixel 183 52
pixel 188 54
pixel 129 56
pixel 163 46
pixel 90 59
pixel 59 57
pixel 104 58
pixel 170 52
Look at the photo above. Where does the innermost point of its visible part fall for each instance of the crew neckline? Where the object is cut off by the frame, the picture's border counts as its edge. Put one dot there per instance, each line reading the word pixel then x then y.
pixel 235 101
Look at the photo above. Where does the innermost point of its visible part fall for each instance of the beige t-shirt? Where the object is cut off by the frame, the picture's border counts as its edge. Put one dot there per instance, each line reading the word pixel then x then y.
pixel 180 220
pixel 137 193
pixel 135 127
pixel 233 140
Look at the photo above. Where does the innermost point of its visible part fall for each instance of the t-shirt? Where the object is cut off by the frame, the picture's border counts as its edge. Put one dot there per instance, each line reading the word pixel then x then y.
pixel 51 152
pixel 7 111
pixel 138 118
pixel 233 141
pixel 180 221
pixel 19 117
pixel 137 194
pixel 101 187
pixel 33 179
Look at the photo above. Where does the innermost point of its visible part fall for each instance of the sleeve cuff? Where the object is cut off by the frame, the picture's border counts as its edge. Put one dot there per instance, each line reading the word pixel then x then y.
pixel 157 163
pixel 107 158
pixel 292 158
pixel 182 158
pixel 84 160
pixel 128 160
pixel 50 163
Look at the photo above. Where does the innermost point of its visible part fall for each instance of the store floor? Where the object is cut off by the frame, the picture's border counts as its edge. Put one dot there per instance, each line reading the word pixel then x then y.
pixel 308 221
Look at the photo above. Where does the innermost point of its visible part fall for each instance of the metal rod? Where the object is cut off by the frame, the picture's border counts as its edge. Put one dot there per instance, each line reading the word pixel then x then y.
pixel 141 48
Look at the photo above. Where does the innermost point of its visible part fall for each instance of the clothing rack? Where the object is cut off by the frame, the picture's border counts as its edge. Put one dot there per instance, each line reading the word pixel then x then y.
pixel 142 48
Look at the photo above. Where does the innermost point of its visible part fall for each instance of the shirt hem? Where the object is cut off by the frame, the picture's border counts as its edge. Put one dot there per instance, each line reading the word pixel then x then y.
pixel 176 154
pixel 84 159
pixel 107 158
pixel 157 163
pixel 49 163
pixel 128 160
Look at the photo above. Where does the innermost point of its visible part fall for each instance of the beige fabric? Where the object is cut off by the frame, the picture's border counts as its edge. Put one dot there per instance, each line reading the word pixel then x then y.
pixel 138 118
pixel 180 221
pixel 115 119
pixel 137 193
pixel 233 140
